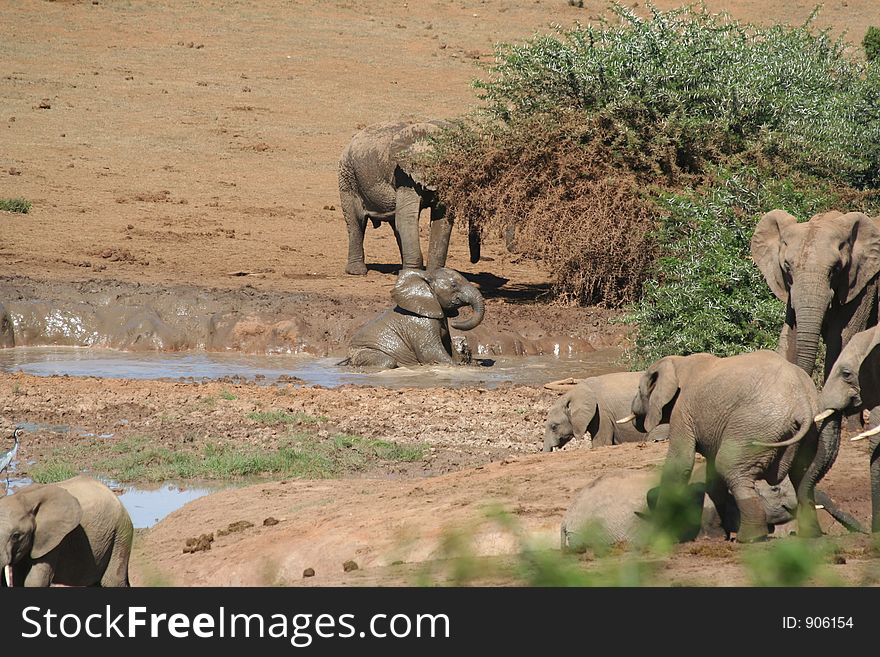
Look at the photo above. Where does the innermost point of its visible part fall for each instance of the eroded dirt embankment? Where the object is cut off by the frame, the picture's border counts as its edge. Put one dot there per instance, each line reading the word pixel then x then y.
pixel 129 316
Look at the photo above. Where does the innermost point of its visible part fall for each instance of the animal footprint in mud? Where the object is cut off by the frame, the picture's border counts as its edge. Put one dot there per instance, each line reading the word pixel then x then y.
pixel 234 527
pixel 200 544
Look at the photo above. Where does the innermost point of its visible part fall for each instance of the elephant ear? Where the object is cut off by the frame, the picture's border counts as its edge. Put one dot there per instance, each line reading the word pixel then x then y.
pixel 662 389
pixel 413 293
pixel 581 408
pixel 56 514
pixel 410 146
pixel 865 260
pixel 766 243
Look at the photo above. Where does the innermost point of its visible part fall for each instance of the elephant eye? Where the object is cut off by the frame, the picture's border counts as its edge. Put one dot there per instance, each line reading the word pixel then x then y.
pixel 16 536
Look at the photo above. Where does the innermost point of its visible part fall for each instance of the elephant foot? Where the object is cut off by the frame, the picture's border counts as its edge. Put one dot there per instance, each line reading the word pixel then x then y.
pixel 758 538
pixel 356 269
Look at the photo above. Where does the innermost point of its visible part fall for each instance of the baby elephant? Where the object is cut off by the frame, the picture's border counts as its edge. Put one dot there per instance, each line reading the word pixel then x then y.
pixel 75 532
pixel 615 504
pixel 416 330
pixel 591 409
pixel 752 417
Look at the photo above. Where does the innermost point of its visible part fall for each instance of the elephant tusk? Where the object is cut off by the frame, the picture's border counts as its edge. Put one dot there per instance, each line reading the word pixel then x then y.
pixel 826 413
pixel 7 575
pixel 867 434
pixel 820 506
pixel 628 418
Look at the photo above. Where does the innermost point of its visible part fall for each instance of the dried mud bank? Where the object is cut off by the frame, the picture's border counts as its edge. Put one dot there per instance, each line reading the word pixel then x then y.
pixel 128 316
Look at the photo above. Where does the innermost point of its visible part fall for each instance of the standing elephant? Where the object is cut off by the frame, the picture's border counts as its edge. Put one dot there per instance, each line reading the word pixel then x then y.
pixel 825 270
pixel 854 385
pixel 75 532
pixel 378 181
pixel 6 337
pixel 591 409
pixel 416 330
pixel 751 417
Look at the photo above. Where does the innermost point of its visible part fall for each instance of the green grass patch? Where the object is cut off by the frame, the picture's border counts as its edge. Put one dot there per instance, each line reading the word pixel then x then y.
pixel 52 471
pixel 141 458
pixel 228 396
pixel 15 205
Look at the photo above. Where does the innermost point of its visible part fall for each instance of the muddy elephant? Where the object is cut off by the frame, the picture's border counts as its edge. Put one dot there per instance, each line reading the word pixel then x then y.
pixel 825 270
pixel 75 533
pixel 416 330
pixel 612 509
pixel 7 339
pixel 378 181
pixel 591 409
pixel 854 385
pixel 752 417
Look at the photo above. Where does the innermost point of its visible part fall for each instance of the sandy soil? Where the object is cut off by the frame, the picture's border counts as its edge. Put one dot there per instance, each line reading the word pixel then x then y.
pixel 188 150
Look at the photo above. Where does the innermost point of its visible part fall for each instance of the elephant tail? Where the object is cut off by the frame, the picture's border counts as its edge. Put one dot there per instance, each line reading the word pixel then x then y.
pixel 796 438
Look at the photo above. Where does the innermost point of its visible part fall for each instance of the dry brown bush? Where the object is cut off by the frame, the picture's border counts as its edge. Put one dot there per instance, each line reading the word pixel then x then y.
pixel 557 186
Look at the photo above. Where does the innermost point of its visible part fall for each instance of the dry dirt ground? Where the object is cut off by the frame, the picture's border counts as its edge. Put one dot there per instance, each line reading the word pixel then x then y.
pixel 188 150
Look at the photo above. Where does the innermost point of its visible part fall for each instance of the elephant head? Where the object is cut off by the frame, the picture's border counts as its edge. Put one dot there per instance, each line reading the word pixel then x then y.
pixel 438 294
pixel 826 261
pixel 574 415
pixel 33 522
pixel 6 336
pixel 658 390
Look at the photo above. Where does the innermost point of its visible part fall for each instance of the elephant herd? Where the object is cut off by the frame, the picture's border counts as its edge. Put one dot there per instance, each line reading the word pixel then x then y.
pixel 758 417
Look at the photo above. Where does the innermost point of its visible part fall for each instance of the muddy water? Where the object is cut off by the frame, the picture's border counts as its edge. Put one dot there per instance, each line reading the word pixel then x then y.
pixel 147 504
pixel 302 369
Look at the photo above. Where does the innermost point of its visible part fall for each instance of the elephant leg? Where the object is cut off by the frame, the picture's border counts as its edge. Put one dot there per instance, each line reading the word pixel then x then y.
pixel 812 461
pixel 356 221
pixel 717 491
pixel 874 450
pixel 752 515
pixel 441 230
pixel 366 357
pixel 406 221
pixel 40 574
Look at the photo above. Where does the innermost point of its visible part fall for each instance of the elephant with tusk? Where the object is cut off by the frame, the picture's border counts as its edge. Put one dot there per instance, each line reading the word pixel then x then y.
pixel 379 181
pixel 75 533
pixel 854 385
pixel 591 410
pixel 416 330
pixel 826 272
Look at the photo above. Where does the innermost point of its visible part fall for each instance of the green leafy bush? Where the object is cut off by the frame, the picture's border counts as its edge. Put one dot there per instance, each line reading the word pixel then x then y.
pixel 871 43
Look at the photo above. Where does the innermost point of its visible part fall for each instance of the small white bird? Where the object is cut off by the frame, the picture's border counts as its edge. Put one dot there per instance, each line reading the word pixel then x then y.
pixel 7 456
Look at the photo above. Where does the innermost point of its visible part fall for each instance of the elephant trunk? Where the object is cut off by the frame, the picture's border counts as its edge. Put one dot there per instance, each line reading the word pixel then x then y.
pixel 471 297
pixel 809 315
pixel 826 453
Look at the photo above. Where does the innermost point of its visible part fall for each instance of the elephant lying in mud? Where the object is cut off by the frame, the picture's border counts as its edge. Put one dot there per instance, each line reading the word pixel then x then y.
pixel 751 417
pixel 612 507
pixel 416 330
pixel 378 182
pixel 591 410
pixel 854 385
pixel 825 270
pixel 75 532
